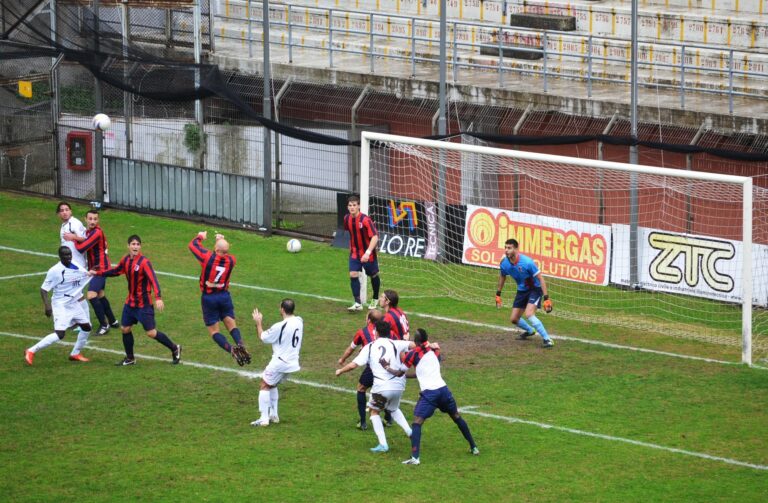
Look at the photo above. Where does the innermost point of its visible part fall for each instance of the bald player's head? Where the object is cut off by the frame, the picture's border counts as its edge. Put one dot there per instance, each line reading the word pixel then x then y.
pixel 221 247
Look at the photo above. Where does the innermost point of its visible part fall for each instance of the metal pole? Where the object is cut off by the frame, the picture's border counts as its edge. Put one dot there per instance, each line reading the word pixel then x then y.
pixel 730 82
pixel 544 50
pixel 127 98
pixel 501 59
pixel 589 66
pixel 442 128
pixel 413 47
pixel 55 110
pixel 290 36
pixel 354 165
pixel 370 41
pixel 278 159
pixel 682 78
pixel 454 56
pixel 633 159
pixel 250 28
pixel 746 275
pixel 330 38
pixel 267 112
pixel 198 46
pixel 98 99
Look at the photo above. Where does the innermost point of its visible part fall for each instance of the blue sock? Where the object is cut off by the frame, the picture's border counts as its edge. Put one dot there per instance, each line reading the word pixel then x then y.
pixel 415 440
pixel 98 308
pixel 375 284
pixel 525 326
pixel 355 284
pixel 361 406
pixel 108 310
pixel 539 326
pixel 165 341
pixel 222 342
pixel 235 333
pixel 128 344
pixel 387 416
pixel 464 427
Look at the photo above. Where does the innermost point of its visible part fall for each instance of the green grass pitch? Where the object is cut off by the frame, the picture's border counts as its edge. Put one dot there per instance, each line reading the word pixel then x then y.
pixel 577 423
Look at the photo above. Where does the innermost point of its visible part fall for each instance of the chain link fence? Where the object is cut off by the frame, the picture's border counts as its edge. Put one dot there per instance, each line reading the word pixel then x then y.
pixel 45 139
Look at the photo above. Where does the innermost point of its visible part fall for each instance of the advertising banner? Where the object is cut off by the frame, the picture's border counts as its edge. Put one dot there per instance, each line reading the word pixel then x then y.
pixel 701 266
pixel 406 228
pixel 566 249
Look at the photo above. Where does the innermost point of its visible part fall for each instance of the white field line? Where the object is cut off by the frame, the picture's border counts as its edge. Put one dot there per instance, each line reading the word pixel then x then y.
pixel 23 275
pixel 500 328
pixel 469 410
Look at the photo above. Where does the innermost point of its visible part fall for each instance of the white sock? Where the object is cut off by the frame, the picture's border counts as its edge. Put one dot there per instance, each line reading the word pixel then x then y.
pixel 45 342
pixel 378 428
pixel 273 396
pixel 264 403
pixel 399 418
pixel 82 339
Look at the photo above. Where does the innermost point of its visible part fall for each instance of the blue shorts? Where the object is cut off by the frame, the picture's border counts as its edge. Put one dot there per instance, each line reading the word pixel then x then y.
pixel 366 378
pixel 371 267
pixel 97 284
pixel 144 315
pixel 433 399
pixel 216 307
pixel 530 296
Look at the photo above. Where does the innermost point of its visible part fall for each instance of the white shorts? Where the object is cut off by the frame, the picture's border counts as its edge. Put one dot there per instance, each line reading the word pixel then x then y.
pixel 388 399
pixel 277 371
pixel 71 313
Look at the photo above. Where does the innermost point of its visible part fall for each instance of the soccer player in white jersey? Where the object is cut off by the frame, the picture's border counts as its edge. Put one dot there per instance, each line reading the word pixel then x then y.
pixel 285 337
pixel 66 280
pixel 387 389
pixel 434 392
pixel 72 230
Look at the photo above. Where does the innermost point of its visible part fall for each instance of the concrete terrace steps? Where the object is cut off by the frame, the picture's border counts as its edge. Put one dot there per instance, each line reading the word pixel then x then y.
pixel 739 24
pixel 568 53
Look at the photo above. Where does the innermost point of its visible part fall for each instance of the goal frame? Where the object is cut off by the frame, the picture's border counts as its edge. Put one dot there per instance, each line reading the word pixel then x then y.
pixel 367 137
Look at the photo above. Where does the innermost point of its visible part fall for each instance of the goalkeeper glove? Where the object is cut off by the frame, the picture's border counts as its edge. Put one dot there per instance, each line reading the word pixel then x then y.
pixel 547 304
pixel 498 299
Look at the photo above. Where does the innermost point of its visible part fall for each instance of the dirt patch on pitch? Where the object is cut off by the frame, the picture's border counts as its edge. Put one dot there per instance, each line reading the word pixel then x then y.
pixel 486 349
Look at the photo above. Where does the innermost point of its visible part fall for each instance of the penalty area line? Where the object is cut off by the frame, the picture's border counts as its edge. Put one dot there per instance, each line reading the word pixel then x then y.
pixel 468 410
pixel 444 318
pixel 23 275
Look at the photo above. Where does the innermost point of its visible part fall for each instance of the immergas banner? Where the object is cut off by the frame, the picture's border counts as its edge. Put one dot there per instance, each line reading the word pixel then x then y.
pixel 688 264
pixel 407 228
pixel 567 249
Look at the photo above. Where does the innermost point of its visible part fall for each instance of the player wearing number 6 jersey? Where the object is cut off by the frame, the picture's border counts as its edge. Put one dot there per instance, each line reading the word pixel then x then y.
pixel 216 301
pixel 531 291
pixel 285 337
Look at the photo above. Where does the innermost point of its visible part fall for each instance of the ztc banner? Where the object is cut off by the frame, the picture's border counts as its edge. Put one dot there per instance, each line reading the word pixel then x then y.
pixel 567 249
pixel 701 266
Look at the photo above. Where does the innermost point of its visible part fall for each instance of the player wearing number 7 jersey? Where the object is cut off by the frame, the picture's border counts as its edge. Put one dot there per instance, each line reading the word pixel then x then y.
pixel 285 337
pixel 217 266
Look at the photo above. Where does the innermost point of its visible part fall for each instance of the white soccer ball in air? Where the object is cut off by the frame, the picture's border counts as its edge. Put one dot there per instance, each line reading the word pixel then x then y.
pixel 293 246
pixel 101 121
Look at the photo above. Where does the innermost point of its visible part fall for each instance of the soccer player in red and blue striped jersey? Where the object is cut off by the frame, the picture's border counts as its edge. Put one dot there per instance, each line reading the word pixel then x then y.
pixel 142 282
pixel 216 270
pixel 363 238
pixel 96 249
pixel 394 316
pixel 363 337
pixel 425 357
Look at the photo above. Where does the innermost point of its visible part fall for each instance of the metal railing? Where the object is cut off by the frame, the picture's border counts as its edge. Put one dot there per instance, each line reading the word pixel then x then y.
pixel 691 68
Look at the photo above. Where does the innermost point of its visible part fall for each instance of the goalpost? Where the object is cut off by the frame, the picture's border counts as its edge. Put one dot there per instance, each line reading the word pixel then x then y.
pixel 655 257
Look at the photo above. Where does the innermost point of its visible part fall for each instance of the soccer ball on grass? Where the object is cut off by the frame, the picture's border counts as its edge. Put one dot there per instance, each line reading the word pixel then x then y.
pixel 293 246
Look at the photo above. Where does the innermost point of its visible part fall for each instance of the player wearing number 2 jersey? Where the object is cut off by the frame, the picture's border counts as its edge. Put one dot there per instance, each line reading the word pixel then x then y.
pixel 216 301
pixel 387 389
pixel 285 337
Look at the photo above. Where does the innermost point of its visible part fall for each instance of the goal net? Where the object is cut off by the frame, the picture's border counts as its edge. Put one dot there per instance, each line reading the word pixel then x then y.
pixel 655 258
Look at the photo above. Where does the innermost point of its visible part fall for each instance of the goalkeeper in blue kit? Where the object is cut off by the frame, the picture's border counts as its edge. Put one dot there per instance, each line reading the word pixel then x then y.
pixel 531 292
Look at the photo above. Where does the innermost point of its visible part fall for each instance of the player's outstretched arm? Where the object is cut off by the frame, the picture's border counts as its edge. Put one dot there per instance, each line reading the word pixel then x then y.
pixel 346 354
pixel 385 363
pixel 346 368
pixel 258 318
